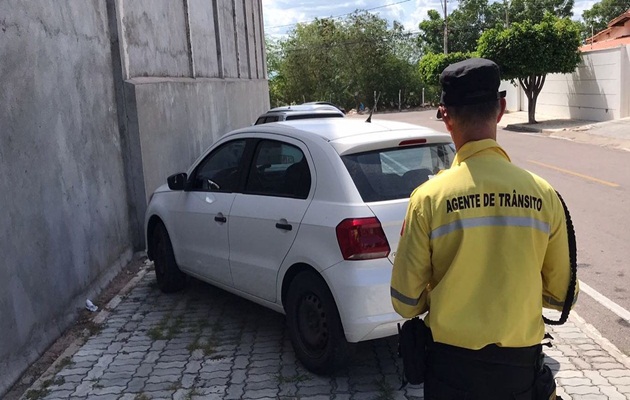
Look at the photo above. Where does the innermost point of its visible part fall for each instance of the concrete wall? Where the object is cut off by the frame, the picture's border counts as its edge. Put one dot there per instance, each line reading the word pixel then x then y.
pixel 598 90
pixel 63 225
pixel 162 133
pixel 101 101
pixel 209 77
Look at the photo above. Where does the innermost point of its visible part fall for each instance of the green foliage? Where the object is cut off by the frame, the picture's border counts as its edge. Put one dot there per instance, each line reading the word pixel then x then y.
pixel 535 10
pixel 597 18
pixel 343 61
pixel 525 49
pixel 471 18
pixel 528 51
pixel 432 65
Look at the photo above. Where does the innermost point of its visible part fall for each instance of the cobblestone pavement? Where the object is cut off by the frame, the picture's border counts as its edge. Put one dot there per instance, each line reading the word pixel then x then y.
pixel 204 343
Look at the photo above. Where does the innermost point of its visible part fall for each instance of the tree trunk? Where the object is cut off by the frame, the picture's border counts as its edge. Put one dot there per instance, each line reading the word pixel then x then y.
pixel 532 85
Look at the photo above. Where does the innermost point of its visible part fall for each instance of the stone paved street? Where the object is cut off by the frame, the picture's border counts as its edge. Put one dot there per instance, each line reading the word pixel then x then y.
pixel 204 343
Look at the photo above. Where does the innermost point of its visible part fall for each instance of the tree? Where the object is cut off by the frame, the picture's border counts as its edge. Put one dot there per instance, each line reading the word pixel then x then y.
pixel 535 10
pixel 432 65
pixel 597 18
pixel 430 37
pixel 465 25
pixel 527 52
pixel 343 61
pixel 471 18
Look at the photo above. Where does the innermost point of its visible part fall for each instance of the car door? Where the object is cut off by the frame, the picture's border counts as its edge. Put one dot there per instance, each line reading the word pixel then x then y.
pixel 203 222
pixel 265 218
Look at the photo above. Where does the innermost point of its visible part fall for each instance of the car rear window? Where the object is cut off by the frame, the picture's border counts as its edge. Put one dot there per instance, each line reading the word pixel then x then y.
pixel 390 174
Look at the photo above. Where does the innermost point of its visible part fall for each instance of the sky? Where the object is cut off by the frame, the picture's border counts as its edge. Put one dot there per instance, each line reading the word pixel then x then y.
pixel 281 15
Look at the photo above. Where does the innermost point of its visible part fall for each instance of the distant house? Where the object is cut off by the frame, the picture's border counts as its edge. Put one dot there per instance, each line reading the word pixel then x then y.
pixel 616 34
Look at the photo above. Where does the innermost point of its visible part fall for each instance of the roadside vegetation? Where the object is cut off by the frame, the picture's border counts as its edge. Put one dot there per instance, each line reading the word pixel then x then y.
pixel 361 60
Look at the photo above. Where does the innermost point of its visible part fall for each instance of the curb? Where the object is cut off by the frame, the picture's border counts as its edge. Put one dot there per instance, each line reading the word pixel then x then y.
pixel 522 128
pixel 597 337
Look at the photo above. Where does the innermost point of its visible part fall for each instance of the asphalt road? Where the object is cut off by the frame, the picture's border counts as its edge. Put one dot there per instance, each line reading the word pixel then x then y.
pixel 594 182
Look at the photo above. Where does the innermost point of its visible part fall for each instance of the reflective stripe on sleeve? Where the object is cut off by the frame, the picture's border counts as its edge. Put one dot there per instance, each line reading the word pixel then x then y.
pixel 551 301
pixel 403 299
pixel 490 221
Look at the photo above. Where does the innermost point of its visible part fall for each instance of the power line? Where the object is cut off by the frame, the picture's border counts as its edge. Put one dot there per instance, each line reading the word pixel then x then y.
pixel 339 16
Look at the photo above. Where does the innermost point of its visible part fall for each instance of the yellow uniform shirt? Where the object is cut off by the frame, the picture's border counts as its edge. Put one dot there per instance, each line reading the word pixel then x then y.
pixel 483 248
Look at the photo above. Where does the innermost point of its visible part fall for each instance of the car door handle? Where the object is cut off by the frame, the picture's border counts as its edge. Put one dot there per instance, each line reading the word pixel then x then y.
pixel 286 227
pixel 220 218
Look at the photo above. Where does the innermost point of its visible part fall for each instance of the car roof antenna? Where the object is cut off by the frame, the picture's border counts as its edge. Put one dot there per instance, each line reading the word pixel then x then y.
pixel 369 118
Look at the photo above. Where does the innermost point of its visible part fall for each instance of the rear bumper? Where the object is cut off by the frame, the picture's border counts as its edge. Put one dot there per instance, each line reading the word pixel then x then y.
pixel 362 293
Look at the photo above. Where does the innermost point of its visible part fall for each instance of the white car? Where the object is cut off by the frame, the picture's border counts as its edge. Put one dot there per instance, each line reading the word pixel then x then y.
pixel 302 217
pixel 301 111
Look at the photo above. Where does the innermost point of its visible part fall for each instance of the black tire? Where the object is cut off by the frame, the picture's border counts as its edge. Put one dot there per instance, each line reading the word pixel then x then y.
pixel 169 277
pixel 314 325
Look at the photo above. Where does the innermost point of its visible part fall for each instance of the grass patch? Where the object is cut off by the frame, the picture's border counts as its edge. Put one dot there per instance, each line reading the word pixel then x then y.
pixel 93 329
pixel 386 391
pixel 175 386
pixel 43 391
pixel 35 394
pixel 141 396
pixel 65 362
pixel 297 378
pixel 156 333
pixel 208 346
pixel 192 393
pixel 165 329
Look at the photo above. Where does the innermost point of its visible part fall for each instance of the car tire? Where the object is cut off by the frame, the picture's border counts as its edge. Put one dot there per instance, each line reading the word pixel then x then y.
pixel 314 325
pixel 169 277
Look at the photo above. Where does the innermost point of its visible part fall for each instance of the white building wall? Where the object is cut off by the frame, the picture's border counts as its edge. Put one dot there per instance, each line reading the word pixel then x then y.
pixel 513 96
pixel 598 90
pixel 625 81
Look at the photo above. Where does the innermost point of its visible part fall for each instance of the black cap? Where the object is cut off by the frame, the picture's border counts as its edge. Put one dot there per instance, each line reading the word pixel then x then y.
pixel 471 81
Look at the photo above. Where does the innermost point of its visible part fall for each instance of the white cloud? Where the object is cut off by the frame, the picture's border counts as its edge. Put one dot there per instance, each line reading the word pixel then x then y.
pixel 281 15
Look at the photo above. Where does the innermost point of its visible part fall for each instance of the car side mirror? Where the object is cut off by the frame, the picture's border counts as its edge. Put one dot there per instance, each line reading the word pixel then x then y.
pixel 177 181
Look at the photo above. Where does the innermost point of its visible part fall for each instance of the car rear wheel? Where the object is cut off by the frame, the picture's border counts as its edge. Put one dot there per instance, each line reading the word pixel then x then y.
pixel 169 277
pixel 314 325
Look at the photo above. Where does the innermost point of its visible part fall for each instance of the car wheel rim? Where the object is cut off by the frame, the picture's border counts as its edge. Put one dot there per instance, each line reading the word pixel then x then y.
pixel 312 325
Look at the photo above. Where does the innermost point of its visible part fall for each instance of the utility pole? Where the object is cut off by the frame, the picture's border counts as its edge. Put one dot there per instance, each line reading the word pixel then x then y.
pixel 444 2
pixel 507 18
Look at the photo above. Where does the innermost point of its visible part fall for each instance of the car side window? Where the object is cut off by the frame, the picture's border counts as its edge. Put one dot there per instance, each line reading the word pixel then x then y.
pixel 279 169
pixel 220 170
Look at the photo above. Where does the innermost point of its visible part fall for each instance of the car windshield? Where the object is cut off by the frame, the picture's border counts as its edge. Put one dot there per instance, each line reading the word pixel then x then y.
pixel 389 174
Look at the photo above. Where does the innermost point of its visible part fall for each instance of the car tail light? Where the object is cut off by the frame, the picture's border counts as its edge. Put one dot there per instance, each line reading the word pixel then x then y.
pixel 362 239
pixel 411 142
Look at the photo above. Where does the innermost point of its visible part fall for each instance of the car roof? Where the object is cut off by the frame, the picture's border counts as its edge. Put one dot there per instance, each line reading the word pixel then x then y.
pixel 351 135
pixel 303 108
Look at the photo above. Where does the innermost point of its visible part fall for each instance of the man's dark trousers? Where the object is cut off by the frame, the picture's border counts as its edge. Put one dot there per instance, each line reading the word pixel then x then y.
pixel 487 374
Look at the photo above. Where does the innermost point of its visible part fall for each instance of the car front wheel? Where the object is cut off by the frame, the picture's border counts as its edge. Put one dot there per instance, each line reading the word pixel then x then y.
pixel 169 277
pixel 315 326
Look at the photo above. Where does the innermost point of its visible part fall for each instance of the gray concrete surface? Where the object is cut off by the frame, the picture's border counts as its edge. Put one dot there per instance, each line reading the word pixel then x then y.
pixel 614 133
pixel 205 343
pixel 63 225
pixel 80 147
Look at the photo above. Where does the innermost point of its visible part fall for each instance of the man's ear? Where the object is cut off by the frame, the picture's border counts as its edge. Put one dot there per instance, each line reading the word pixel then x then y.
pixel 503 104
pixel 446 118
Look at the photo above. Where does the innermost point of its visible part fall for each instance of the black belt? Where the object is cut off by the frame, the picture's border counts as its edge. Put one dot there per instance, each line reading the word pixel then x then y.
pixel 513 356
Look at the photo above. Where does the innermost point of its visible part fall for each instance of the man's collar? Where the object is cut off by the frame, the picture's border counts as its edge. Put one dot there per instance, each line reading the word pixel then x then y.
pixel 472 148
